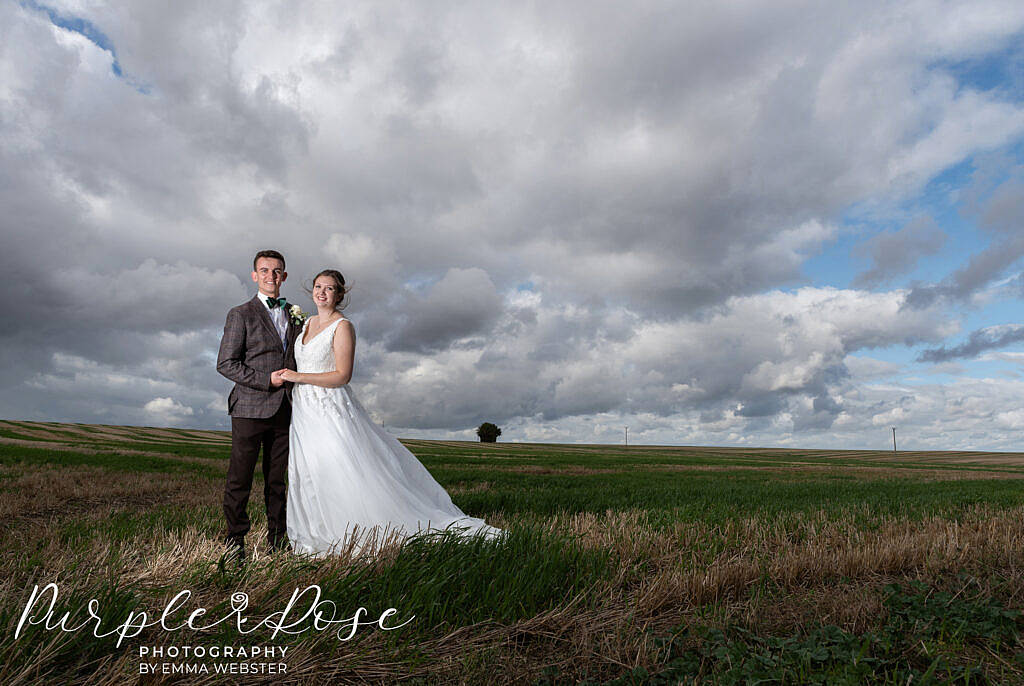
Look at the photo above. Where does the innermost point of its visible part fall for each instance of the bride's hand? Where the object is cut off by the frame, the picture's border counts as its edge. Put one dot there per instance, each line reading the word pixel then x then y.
pixel 288 374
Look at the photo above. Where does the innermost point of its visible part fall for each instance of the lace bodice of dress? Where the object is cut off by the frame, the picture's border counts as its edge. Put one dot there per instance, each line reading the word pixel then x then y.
pixel 318 354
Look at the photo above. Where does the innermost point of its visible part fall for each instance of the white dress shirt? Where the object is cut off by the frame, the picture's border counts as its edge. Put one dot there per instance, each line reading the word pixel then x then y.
pixel 278 316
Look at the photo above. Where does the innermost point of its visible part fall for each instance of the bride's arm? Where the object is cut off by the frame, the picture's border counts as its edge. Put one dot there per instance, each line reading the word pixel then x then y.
pixel 344 345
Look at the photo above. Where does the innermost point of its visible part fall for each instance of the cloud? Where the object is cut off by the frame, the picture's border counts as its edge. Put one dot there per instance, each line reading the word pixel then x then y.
pixel 896 253
pixel 561 361
pixel 989 338
pixel 463 303
pixel 149 297
pixel 995 201
pixel 958 414
pixel 980 271
pixel 167 386
pixel 167 410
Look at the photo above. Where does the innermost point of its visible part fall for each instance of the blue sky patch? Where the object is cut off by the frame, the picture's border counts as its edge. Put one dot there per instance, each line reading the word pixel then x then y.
pixel 90 31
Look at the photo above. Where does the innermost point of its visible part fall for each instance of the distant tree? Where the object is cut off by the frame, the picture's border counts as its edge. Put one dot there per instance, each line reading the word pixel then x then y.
pixel 488 433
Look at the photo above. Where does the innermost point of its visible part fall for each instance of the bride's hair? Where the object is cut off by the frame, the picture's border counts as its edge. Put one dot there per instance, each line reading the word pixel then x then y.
pixel 341 292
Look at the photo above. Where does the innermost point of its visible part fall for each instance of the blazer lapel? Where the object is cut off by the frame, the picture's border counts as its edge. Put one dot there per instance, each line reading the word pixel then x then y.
pixel 289 339
pixel 264 316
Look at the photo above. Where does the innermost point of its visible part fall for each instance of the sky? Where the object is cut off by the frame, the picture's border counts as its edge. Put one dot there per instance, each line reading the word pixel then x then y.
pixel 748 223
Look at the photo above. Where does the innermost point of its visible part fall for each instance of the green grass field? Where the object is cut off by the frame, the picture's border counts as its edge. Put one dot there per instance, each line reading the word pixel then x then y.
pixel 634 565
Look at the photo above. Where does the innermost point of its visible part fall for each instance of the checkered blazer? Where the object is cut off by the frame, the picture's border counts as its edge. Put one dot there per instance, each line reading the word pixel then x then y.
pixel 249 351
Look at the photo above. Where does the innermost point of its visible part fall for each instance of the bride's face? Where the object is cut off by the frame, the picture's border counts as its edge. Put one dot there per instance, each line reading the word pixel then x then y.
pixel 325 292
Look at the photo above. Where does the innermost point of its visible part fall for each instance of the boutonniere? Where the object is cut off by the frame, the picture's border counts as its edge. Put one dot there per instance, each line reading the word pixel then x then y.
pixel 297 316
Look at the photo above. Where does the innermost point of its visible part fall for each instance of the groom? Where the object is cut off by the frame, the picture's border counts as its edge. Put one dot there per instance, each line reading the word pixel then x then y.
pixel 259 338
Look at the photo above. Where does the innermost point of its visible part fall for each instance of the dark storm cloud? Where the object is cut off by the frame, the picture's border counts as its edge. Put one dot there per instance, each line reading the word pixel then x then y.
pixel 821 416
pixel 763 406
pixel 461 304
pixel 989 338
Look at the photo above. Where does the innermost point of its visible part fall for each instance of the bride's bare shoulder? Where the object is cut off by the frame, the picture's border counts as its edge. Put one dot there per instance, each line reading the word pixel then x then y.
pixel 345 327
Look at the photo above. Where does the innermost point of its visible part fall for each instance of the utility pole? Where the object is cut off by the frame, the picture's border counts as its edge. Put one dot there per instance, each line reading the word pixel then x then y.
pixel 894 440
pixel 627 435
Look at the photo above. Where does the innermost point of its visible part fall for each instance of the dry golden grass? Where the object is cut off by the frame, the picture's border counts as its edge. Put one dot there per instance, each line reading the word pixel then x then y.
pixel 478 487
pixel 79 433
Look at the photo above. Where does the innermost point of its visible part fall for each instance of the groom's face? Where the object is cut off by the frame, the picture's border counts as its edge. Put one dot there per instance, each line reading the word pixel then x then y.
pixel 269 276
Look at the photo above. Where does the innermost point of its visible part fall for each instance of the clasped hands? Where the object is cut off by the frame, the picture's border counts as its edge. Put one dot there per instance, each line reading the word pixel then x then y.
pixel 281 375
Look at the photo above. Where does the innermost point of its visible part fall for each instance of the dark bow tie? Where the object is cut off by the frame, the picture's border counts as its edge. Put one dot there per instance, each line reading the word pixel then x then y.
pixel 277 302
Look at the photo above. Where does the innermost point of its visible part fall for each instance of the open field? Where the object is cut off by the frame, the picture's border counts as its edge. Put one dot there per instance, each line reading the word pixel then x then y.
pixel 623 565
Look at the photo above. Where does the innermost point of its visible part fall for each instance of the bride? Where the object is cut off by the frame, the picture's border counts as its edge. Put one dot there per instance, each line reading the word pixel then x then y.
pixel 350 483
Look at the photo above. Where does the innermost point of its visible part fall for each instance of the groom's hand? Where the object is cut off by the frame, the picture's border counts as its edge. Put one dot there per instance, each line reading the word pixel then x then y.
pixel 275 378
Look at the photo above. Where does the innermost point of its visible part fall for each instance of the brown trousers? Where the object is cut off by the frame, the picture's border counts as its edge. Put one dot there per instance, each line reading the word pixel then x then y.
pixel 247 436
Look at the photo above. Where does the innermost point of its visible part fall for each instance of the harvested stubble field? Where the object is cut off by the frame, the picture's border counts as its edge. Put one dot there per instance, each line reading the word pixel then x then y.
pixel 622 565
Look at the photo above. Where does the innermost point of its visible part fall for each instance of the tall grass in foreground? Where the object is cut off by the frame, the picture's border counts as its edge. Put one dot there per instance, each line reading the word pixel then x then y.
pixel 438 581
pixel 584 597
pixel 692 567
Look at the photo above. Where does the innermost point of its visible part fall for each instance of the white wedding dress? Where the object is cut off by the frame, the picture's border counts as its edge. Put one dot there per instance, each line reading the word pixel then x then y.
pixel 351 484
